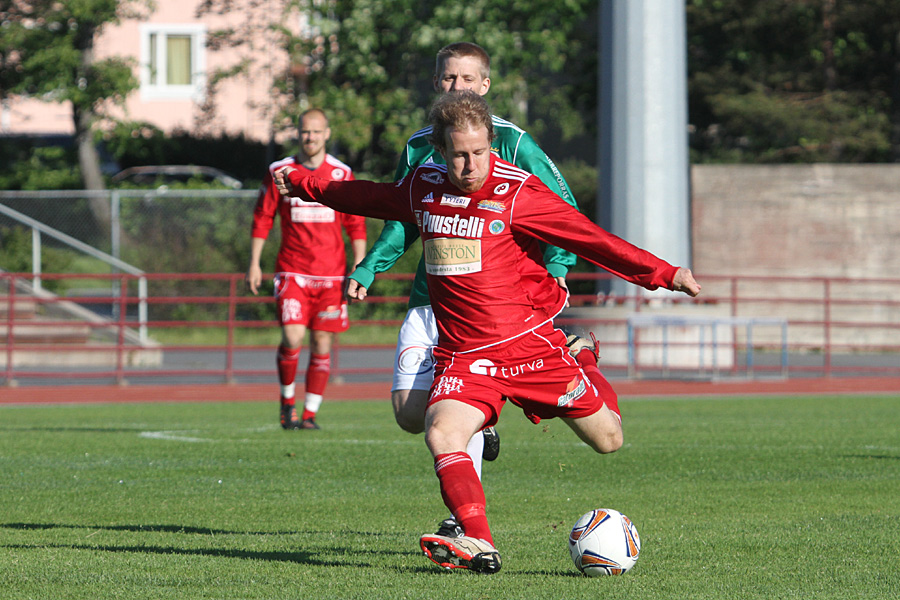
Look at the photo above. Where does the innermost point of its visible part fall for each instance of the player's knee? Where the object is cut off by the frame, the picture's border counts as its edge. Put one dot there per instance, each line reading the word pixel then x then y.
pixel 408 412
pixel 410 423
pixel 604 439
pixel 609 442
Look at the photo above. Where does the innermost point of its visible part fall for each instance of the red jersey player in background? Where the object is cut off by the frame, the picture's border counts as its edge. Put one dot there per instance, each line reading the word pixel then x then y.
pixel 310 268
pixel 481 219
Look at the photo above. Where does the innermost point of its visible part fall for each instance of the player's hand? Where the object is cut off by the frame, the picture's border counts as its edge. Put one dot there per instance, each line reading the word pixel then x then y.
pixel 254 279
pixel 282 183
pixel 684 282
pixel 561 282
pixel 356 291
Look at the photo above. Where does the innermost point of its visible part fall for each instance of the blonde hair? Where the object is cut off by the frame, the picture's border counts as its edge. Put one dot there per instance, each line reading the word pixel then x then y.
pixel 459 110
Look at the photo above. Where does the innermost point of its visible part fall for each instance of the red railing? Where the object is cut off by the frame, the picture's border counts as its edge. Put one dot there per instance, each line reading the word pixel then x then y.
pixel 836 326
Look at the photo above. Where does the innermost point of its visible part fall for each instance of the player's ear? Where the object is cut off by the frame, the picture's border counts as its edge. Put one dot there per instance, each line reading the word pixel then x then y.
pixel 485 86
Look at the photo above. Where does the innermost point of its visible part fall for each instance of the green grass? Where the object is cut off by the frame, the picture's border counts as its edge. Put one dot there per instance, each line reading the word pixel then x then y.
pixel 734 498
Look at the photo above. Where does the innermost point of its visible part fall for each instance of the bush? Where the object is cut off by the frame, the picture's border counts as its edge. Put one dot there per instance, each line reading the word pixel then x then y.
pixel 15 255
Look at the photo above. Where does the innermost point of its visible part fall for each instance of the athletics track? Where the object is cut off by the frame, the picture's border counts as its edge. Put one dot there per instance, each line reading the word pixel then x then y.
pixel 381 390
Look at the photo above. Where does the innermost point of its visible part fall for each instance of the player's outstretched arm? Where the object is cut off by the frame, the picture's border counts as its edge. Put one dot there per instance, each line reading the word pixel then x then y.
pixel 282 182
pixel 684 282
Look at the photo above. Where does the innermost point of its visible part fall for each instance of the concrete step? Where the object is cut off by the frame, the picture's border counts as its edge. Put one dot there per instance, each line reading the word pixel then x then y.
pixel 92 354
pixel 46 333
pixel 25 308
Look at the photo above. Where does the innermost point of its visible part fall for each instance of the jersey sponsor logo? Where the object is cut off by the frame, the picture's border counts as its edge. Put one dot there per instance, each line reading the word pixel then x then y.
pixel 496 227
pixel 429 198
pixel 452 256
pixel 314 284
pixel 414 360
pixel 457 201
pixel 331 313
pixel 483 366
pixel 446 225
pixel 338 174
pixel 447 385
pixel 492 205
pixel 501 189
pixel 433 177
pixel 310 212
pixel 515 371
pixel 282 281
pixel 574 391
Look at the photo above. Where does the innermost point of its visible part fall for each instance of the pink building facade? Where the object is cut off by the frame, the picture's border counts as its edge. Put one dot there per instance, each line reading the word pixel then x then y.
pixel 174 65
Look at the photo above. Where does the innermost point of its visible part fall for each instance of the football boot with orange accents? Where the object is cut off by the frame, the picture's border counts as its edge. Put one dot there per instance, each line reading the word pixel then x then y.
pixel 309 423
pixel 462 552
pixel 289 418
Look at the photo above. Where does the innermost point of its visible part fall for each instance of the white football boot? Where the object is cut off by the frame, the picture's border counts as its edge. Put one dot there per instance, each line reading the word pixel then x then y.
pixel 461 553
pixel 576 344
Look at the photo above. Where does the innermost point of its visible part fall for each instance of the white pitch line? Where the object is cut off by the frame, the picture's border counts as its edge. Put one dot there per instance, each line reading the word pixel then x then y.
pixel 172 437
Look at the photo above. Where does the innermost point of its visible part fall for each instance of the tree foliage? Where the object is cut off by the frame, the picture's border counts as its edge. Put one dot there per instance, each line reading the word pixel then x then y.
pixel 798 81
pixel 47 52
pixel 370 64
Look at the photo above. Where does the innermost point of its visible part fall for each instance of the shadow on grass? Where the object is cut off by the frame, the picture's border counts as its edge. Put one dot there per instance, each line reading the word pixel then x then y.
pixel 312 557
pixel 872 456
pixel 141 528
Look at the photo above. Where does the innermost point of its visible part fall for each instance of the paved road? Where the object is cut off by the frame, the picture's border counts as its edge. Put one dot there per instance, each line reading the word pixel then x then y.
pixel 353 365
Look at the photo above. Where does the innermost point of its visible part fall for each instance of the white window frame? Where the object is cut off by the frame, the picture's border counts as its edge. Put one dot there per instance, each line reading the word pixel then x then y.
pixel 160 90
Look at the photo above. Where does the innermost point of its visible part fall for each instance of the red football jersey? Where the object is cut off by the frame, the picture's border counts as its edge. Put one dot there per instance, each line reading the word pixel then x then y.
pixel 486 275
pixel 311 240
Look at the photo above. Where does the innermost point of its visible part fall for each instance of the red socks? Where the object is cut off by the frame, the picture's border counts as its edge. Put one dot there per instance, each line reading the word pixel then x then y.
pixel 286 360
pixel 317 373
pixel 462 493
pixel 287 364
pixel 316 378
pixel 588 363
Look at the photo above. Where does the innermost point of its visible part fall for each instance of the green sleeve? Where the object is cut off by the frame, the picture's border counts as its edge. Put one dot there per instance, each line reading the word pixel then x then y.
pixel 530 157
pixel 395 239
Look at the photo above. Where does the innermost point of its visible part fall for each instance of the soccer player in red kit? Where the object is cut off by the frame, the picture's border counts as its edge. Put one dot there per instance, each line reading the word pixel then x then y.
pixel 310 268
pixel 481 220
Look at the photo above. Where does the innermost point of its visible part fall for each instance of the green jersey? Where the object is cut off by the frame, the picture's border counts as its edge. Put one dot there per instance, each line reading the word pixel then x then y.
pixel 511 144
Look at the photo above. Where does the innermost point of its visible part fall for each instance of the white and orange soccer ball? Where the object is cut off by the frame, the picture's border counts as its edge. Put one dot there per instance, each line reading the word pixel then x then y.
pixel 604 542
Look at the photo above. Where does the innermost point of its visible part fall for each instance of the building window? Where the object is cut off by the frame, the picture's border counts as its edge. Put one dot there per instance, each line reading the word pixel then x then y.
pixel 173 61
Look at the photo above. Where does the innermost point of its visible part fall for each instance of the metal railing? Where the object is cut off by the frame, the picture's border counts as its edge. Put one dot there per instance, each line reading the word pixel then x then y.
pixel 38 229
pixel 832 327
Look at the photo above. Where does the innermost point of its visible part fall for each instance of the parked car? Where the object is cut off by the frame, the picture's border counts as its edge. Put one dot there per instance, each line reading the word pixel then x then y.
pixel 160 175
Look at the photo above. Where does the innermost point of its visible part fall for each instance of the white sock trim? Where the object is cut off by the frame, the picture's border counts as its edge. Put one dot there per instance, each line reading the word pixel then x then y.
pixel 313 402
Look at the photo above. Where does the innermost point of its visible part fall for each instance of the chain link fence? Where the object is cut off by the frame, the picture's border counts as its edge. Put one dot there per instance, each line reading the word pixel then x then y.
pixel 153 231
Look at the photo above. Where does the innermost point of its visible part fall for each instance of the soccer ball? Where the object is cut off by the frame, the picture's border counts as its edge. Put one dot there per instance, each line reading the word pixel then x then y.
pixel 604 542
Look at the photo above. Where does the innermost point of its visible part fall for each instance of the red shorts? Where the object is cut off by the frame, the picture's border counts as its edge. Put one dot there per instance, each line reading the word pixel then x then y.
pixel 533 371
pixel 316 303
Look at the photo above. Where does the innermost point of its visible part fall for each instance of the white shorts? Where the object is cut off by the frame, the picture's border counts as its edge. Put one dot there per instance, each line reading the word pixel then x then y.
pixel 413 363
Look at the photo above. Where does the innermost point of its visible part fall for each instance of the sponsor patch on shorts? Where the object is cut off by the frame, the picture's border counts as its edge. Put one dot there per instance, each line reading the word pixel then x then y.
pixel 574 391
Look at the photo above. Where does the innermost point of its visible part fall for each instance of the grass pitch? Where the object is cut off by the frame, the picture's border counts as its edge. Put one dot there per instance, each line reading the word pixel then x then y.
pixel 734 498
